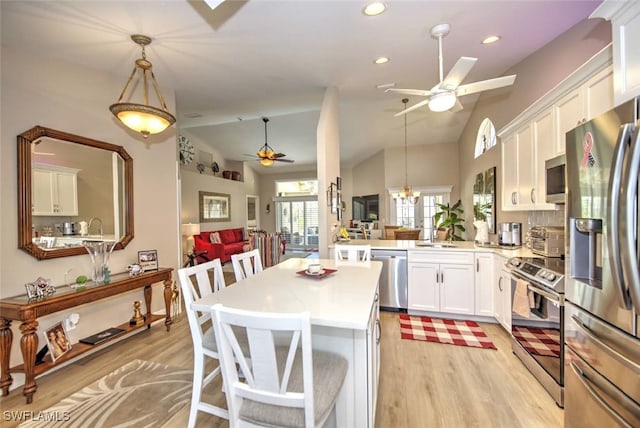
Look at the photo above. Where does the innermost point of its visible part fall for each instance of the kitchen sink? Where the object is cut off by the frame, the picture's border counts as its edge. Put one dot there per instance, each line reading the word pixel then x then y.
pixel 435 245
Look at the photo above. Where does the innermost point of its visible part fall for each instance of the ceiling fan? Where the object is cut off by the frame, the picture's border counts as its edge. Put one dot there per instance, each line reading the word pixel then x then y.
pixel 444 95
pixel 266 155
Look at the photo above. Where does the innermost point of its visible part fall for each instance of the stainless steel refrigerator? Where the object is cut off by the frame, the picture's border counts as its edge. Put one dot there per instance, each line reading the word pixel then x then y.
pixel 602 352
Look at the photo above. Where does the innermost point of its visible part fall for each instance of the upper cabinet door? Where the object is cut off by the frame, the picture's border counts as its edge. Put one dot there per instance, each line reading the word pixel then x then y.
pixel 569 112
pixel 625 25
pixel 598 93
pixel 526 171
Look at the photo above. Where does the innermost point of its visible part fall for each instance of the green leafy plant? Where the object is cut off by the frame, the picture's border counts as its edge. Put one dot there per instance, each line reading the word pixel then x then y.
pixel 481 211
pixel 451 216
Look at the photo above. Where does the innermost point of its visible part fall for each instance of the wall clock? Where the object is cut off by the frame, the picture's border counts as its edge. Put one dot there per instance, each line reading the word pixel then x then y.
pixel 187 151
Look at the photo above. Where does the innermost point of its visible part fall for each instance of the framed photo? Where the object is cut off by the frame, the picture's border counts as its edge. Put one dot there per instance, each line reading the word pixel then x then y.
pixel 214 206
pixel 57 341
pixel 148 260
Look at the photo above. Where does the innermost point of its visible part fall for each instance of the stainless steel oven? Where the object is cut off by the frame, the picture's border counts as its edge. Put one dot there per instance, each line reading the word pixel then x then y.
pixel 537 319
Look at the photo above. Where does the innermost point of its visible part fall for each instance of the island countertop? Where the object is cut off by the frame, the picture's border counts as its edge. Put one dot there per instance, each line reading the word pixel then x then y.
pixel 342 299
pixel 390 244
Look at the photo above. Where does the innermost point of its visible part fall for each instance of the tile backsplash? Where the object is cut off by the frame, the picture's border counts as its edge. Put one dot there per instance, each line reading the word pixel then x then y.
pixel 546 218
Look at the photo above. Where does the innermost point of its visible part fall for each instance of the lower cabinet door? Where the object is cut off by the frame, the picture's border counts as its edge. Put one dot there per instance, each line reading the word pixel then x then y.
pixel 457 289
pixel 424 287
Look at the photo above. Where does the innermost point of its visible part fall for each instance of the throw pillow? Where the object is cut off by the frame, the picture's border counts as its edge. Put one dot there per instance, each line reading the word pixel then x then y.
pixel 215 238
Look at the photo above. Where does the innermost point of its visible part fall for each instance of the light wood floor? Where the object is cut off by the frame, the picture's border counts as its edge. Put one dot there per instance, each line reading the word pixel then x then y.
pixel 421 384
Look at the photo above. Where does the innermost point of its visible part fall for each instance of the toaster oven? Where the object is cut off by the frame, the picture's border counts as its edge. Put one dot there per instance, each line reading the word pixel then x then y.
pixel 547 241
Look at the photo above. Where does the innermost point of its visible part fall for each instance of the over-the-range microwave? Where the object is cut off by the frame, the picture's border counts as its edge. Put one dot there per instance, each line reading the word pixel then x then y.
pixel 555 176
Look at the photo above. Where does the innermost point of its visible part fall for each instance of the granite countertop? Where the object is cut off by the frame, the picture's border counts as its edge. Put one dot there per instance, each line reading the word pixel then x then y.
pixel 388 244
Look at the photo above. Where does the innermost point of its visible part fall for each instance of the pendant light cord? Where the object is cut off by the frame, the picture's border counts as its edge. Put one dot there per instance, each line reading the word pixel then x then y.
pixel 406 179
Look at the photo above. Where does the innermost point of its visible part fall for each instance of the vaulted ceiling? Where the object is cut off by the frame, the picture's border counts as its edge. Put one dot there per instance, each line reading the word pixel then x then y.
pixel 249 59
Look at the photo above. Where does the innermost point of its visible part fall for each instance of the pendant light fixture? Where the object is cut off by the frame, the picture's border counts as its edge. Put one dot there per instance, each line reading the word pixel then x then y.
pixel 266 153
pixel 406 193
pixel 143 118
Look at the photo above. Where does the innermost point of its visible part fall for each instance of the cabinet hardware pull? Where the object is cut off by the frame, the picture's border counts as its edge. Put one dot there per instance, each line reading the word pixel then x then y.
pixel 379 331
pixel 477 265
pixel 500 284
pixel 533 195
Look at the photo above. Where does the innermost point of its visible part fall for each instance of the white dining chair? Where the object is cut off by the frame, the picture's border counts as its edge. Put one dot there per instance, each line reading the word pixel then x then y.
pixel 352 253
pixel 290 385
pixel 196 282
pixel 246 264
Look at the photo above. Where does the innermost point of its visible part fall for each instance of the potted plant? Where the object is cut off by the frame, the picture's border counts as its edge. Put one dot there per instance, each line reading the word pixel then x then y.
pixel 451 216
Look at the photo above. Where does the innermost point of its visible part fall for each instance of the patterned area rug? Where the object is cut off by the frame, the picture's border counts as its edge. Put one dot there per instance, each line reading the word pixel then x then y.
pixel 538 341
pixel 454 332
pixel 138 394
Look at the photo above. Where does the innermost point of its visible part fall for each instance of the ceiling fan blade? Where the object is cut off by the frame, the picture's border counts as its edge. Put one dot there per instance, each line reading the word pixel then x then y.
pixel 485 85
pixel 278 155
pixel 456 107
pixel 284 160
pixel 413 107
pixel 457 74
pixel 418 92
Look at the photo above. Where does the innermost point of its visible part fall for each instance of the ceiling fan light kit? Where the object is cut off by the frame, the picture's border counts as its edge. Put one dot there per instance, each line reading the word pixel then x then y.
pixel 266 155
pixel 442 102
pixel 444 95
pixel 143 118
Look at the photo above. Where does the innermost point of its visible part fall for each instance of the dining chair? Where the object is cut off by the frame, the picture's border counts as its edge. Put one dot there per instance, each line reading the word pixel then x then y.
pixel 408 235
pixel 389 232
pixel 196 282
pixel 246 264
pixel 352 253
pixel 285 384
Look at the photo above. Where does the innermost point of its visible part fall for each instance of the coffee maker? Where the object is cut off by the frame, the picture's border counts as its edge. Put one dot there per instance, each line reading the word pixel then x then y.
pixel 510 234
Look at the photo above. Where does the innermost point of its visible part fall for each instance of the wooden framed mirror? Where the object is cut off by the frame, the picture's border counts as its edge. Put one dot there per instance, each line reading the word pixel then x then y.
pixel 66 183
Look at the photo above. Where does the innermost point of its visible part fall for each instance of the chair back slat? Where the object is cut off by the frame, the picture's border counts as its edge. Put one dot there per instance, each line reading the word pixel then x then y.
pixel 267 375
pixel 246 264
pixel 352 253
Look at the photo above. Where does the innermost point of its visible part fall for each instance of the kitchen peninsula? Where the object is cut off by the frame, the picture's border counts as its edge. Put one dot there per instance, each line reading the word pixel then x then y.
pixel 344 320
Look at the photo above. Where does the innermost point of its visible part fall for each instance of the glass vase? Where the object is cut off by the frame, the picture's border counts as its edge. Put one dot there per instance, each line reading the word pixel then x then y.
pixel 99 252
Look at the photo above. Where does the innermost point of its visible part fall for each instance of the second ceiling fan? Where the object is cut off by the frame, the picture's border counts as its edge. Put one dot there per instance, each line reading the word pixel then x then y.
pixel 266 155
pixel 444 95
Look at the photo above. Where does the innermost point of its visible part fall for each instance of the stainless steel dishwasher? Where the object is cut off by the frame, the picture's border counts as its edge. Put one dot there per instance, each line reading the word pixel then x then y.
pixel 393 279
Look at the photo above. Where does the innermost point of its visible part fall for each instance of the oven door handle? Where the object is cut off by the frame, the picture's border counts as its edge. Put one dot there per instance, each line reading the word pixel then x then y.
pixel 586 383
pixel 557 298
pixel 615 354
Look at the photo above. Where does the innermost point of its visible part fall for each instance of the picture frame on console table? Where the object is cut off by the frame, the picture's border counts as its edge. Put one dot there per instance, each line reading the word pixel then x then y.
pixel 148 260
pixel 57 341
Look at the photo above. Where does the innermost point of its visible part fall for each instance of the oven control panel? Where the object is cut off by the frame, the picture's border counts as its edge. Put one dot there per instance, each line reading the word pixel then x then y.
pixel 535 272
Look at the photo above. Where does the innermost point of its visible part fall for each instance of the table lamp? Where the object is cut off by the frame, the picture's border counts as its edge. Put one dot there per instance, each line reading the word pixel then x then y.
pixel 188 230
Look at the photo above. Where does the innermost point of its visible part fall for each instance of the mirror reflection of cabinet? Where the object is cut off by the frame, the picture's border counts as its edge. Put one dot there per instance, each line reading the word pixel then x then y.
pixel 48 160
pixel 484 198
pixel 55 191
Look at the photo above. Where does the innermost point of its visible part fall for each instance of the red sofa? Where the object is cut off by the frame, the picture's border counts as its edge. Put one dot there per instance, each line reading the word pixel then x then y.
pixel 232 243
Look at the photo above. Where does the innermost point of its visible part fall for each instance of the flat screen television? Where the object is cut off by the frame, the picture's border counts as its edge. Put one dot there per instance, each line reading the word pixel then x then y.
pixel 365 208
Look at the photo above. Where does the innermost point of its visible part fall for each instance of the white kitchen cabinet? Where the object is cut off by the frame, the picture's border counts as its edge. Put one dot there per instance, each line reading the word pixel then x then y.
pixel 625 25
pixel 509 173
pixel 502 293
pixel 441 282
pixel 373 360
pixel 538 133
pixel 54 191
pixel 484 280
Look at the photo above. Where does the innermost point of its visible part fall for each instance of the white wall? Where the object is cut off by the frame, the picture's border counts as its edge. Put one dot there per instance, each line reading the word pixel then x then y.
pixel 76 100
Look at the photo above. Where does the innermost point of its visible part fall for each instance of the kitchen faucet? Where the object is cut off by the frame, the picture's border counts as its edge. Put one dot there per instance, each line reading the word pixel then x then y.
pixel 91 220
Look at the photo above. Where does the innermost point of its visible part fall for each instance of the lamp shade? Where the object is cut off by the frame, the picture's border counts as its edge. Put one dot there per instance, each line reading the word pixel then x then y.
pixel 190 229
pixel 442 101
pixel 142 118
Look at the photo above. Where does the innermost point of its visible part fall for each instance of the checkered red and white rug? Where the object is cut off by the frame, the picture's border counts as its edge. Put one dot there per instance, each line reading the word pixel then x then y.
pixel 538 341
pixel 454 332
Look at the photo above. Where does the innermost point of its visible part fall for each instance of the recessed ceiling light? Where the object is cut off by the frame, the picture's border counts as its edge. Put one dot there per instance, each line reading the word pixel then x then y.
pixel 374 8
pixel 381 60
pixel 490 39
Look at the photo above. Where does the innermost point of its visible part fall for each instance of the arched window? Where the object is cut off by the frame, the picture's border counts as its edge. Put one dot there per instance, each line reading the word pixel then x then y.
pixel 486 137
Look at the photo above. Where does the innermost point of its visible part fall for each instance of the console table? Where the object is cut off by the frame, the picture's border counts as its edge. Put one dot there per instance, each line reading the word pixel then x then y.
pixel 21 308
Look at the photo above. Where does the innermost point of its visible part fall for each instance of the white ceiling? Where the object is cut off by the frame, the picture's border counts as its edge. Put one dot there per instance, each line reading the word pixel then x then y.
pixel 255 58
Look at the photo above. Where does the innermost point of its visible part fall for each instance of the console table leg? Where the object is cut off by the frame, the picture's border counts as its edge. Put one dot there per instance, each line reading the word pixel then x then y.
pixel 168 292
pixel 29 345
pixel 6 339
pixel 147 302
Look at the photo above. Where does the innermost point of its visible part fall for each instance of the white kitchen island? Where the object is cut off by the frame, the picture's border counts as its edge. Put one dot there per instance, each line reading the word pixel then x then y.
pixel 344 320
